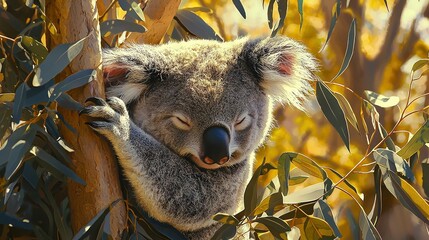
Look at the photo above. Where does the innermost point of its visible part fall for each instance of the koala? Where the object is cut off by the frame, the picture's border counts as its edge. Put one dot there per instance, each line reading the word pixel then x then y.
pixel 185 118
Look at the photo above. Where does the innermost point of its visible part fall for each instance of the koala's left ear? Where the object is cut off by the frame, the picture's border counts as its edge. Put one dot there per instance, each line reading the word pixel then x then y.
pixel 283 66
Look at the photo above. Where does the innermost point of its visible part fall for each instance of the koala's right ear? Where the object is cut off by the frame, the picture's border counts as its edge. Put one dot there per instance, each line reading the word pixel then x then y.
pixel 128 71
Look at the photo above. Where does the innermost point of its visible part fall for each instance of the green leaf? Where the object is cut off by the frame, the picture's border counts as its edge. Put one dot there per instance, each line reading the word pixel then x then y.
pixel 301 13
pixel 347 109
pixel 240 8
pixel 416 142
pixel 66 101
pixel 294 180
pixel 225 218
pixel 406 194
pixel 336 10
pixel 19 102
pixel 369 232
pixel 332 111
pixel 5 119
pixel 133 8
pixel 425 173
pixel 307 194
pixel 419 64
pixel 389 142
pixel 18 145
pixel 6 219
pixel 64 229
pixel 322 210
pixel 387 6
pixel 377 205
pixel 71 82
pixel 282 10
pixel 251 193
pixel 316 228
pixel 115 26
pixel 36 48
pixel 351 38
pixel 91 229
pixel 55 166
pixel 7 97
pixel 270 13
pixel 381 100
pixel 283 173
pixel 225 232
pixel 392 161
pixel 307 165
pixel 277 226
pixel 196 25
pixel 269 203
pixel 56 61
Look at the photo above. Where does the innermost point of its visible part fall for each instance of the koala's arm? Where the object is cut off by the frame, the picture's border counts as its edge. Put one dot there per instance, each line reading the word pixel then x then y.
pixel 132 145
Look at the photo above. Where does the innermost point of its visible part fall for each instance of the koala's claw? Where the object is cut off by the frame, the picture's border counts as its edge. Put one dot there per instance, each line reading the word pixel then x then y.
pixel 97 101
pixel 111 114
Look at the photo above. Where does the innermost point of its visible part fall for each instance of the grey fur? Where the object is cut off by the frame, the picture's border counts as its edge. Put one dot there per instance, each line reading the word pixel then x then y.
pixel 211 84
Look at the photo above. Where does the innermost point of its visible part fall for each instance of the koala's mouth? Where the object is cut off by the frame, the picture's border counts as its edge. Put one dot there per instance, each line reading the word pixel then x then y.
pixel 213 165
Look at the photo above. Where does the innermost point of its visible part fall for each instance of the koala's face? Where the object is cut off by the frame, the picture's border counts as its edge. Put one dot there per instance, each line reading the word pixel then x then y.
pixel 209 102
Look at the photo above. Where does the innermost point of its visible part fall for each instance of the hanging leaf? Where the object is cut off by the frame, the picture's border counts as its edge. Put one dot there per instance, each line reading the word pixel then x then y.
pixel 347 109
pixel 377 205
pixel 419 64
pixel 196 25
pixel 251 193
pixel 368 230
pixel 270 13
pixel 425 173
pixel 336 10
pixel 416 142
pixel 316 228
pixel 323 211
pixel 392 161
pixel 381 100
pixel 282 10
pixel 240 8
pixel 351 38
pixel 6 219
pixel 307 194
pixel 19 102
pixel 5 119
pixel 56 61
pixel 301 13
pixel 225 218
pixel 345 180
pixel 225 232
pixel 115 26
pixel 332 111
pixel 277 226
pixel 269 203
pixel 36 48
pixel 283 173
pixel 71 82
pixel 389 142
pixel 387 6
pixel 132 8
pixel 307 165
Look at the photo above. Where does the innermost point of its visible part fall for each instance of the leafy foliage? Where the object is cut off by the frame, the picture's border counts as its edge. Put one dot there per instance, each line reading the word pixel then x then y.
pixel 294 193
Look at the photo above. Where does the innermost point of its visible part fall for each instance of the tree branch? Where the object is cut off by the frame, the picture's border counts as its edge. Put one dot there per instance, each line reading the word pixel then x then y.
pixel 158 16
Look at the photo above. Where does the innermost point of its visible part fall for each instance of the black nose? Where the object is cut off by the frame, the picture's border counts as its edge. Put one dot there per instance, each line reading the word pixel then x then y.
pixel 216 145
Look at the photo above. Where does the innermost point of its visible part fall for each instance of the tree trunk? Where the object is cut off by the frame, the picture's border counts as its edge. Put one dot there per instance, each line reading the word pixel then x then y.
pixel 93 159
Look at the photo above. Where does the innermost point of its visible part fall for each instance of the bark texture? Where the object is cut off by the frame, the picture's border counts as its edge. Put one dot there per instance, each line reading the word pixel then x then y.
pixel 93 159
pixel 158 16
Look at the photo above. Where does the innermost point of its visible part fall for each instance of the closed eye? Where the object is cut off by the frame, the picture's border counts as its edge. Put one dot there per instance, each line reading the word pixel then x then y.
pixel 181 121
pixel 243 122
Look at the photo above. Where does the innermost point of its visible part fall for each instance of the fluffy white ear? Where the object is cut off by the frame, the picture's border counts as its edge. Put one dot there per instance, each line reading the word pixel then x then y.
pixel 128 71
pixel 285 69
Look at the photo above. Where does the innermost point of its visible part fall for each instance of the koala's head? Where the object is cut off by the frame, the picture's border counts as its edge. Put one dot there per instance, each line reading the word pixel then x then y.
pixel 209 102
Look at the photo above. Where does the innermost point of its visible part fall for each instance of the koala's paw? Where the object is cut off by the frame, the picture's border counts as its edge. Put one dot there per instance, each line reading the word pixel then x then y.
pixel 112 119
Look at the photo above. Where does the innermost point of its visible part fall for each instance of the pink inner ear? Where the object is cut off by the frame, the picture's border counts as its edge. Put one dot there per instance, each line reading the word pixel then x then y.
pixel 286 64
pixel 114 72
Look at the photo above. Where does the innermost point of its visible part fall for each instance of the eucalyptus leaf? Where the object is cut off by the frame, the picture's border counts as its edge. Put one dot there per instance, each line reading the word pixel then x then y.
pixel 196 25
pixel 336 10
pixel 425 173
pixel 5 119
pixel 368 230
pixel 115 26
pixel 381 100
pixel 56 61
pixel 323 211
pixel 419 64
pixel 240 8
pixel 347 109
pixel 307 194
pixel 416 142
pixel 36 48
pixel 225 232
pixel 392 161
pixel 270 13
pixel 377 205
pixel 307 165
pixel 269 203
pixel 71 82
pixel 301 13
pixel 6 219
pixel 283 173
pixel 351 38
pixel 282 10
pixel 225 218
pixel 133 7
pixel 316 228
pixel 251 193
pixel 277 226
pixel 332 111
pixel 19 102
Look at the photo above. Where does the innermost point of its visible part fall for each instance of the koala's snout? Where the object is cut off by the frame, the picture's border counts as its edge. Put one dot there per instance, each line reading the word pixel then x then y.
pixel 216 145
